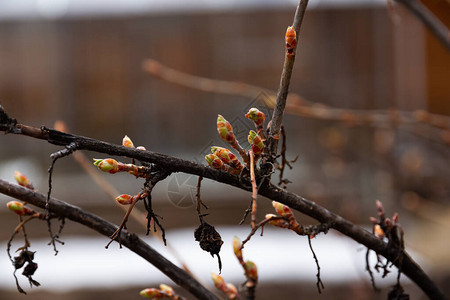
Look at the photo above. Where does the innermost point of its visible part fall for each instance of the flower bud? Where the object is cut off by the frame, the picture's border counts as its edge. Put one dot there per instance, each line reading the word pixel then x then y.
pixel 126 142
pixel 256 116
pixel 214 161
pixel 251 270
pixel 227 157
pixel 150 293
pixel 232 291
pixel 291 41
pixel 282 223
pixel 283 210
pixel 107 165
pixel 166 289
pixel 255 141
pixel 125 199
pixel 19 208
pixel 378 232
pixel 141 148
pixel 22 180
pixel 225 130
pixel 237 248
pixel 218 281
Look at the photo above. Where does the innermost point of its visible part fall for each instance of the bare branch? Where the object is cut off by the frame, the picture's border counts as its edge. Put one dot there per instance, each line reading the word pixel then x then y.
pixel 173 164
pixel 129 240
pixel 283 89
pixel 437 126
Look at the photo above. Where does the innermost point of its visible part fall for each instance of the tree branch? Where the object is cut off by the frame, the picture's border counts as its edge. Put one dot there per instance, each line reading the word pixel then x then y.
pixel 129 240
pixel 409 267
pixel 283 89
pixel 429 20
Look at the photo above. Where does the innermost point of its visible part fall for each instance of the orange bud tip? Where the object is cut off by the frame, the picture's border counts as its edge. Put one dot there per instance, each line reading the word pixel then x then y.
pixel 225 130
pixel 291 41
pixel 251 270
pixel 19 208
pixel 219 282
pixel 256 116
pixel 237 248
pixel 22 180
pixel 125 199
pixel 108 165
pixel 126 142
pixel 166 289
pixel 60 126
pixel 149 293
pixel 214 161
pixel 378 232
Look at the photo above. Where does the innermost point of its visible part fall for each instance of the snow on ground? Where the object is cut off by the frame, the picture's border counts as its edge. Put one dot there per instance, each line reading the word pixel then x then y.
pixel 281 255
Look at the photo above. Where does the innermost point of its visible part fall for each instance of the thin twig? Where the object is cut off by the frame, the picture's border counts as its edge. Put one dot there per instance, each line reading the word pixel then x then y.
pixel 283 89
pixel 284 161
pixel 257 226
pixel 116 233
pixel 299 106
pixel 254 188
pixel 319 282
pixel 199 200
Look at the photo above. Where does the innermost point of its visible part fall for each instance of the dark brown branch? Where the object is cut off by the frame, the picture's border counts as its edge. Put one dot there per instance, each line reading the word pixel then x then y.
pixel 172 164
pixel 129 240
pixel 283 89
pixel 429 20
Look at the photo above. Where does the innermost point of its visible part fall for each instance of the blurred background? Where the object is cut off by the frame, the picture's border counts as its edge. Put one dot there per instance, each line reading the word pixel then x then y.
pixel 368 119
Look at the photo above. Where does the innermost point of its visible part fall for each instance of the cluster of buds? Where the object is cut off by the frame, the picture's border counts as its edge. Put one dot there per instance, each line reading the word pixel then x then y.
pixel 228 289
pixel 164 291
pixel 250 269
pixel 112 166
pixel 383 225
pixel 20 209
pixel 222 158
pixel 22 180
pixel 291 41
pixel 285 218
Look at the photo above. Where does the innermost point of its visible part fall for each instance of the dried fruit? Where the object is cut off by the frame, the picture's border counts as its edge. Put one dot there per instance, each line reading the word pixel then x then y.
pixel 209 239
